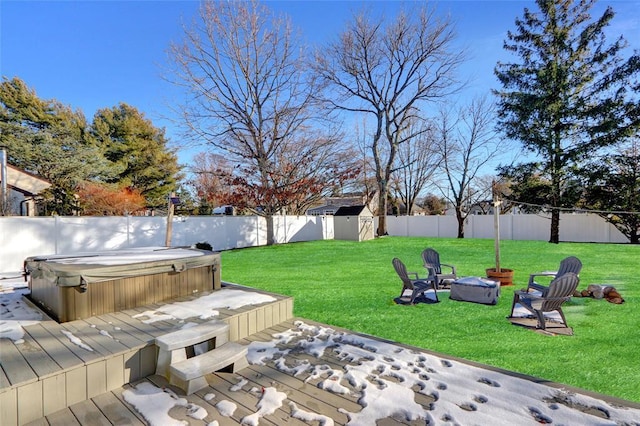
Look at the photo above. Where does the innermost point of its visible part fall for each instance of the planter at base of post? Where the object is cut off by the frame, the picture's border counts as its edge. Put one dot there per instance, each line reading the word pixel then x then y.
pixel 505 276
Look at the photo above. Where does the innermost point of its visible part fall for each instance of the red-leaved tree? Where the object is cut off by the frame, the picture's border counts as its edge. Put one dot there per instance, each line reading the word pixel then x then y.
pixel 97 199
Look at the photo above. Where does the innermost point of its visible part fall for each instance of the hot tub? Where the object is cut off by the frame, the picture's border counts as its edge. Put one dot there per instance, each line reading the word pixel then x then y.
pixel 81 285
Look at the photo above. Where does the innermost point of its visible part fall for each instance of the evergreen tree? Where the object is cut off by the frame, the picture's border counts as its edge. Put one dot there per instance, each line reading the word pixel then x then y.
pixel 612 188
pixel 570 95
pixel 50 140
pixel 137 152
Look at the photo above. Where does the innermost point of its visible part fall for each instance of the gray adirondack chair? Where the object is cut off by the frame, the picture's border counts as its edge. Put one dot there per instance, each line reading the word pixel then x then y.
pixel 431 260
pixel 569 264
pixel 416 285
pixel 559 291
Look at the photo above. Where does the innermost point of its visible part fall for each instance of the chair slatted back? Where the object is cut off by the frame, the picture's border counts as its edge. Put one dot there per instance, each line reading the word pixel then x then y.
pixel 569 264
pixel 401 270
pixel 560 290
pixel 432 258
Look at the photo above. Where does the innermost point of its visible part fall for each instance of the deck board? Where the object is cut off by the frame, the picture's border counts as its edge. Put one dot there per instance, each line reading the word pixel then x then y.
pixel 118 334
pixel 14 365
pixel 4 380
pixel 88 413
pixel 63 418
pixel 101 344
pixel 39 360
pixel 84 355
pixel 61 354
pixel 120 398
pixel 250 395
pixel 117 412
pixel 135 327
pixel 306 396
pixel 60 418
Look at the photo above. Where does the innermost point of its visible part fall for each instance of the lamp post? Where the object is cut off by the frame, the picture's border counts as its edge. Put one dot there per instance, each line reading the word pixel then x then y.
pixel 504 275
pixel 173 200
pixel 496 223
pixel 3 182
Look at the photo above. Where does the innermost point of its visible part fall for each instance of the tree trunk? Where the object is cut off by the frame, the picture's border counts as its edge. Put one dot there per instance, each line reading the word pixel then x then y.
pixel 555 226
pixel 270 231
pixel 382 211
pixel 460 219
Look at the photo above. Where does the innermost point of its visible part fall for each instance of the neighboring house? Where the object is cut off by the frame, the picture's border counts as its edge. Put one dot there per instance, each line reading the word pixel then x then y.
pixel 332 204
pixel 22 190
pixel 224 210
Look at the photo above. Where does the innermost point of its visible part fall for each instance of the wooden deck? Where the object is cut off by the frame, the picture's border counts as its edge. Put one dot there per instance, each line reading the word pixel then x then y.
pixel 244 389
pixel 111 408
pixel 48 373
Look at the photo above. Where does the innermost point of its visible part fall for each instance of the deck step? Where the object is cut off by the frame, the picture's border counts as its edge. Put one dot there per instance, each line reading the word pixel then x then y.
pixel 189 374
pixel 173 346
pixel 192 335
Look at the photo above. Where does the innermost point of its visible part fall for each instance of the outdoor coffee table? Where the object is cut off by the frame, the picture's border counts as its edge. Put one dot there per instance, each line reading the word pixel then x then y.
pixel 475 289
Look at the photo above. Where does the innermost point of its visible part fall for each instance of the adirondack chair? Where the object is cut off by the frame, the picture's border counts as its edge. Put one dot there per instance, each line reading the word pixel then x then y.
pixel 559 291
pixel 569 264
pixel 431 259
pixel 416 285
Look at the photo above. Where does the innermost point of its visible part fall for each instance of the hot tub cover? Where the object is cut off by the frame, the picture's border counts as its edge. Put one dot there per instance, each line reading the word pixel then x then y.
pixel 89 267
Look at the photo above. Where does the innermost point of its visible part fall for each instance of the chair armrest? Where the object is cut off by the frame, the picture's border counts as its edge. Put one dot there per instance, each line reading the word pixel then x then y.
pixel 453 268
pixel 423 283
pixel 415 274
pixel 539 287
pixel 533 300
pixel 542 274
pixel 430 269
pixel 526 295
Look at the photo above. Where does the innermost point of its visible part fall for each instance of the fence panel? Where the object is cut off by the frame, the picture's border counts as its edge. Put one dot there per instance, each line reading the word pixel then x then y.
pixel 21 237
pixel 290 229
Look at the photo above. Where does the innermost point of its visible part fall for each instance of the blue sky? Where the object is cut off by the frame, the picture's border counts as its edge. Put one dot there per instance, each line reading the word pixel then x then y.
pixel 95 54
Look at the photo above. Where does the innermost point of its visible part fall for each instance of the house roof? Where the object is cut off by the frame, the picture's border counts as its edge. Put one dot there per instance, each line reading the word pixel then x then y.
pixel 350 210
pixel 24 182
pixel 326 209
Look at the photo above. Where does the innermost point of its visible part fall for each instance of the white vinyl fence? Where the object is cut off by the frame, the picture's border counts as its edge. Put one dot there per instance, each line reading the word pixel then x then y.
pixel 21 237
pixel 573 227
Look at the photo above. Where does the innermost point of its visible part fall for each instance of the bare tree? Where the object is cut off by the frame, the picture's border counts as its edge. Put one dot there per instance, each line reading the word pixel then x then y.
pixel 386 72
pixel 416 163
pixel 250 97
pixel 468 143
pixel 207 171
pixel 365 182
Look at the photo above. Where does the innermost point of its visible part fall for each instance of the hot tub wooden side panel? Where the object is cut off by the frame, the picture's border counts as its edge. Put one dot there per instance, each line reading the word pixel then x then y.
pixel 68 304
pixel 46 294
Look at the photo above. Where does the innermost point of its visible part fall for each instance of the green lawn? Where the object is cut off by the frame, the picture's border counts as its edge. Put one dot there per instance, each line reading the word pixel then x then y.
pixel 352 285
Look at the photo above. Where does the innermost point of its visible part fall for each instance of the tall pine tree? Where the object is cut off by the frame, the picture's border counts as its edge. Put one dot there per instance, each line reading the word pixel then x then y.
pixel 137 152
pixel 570 95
